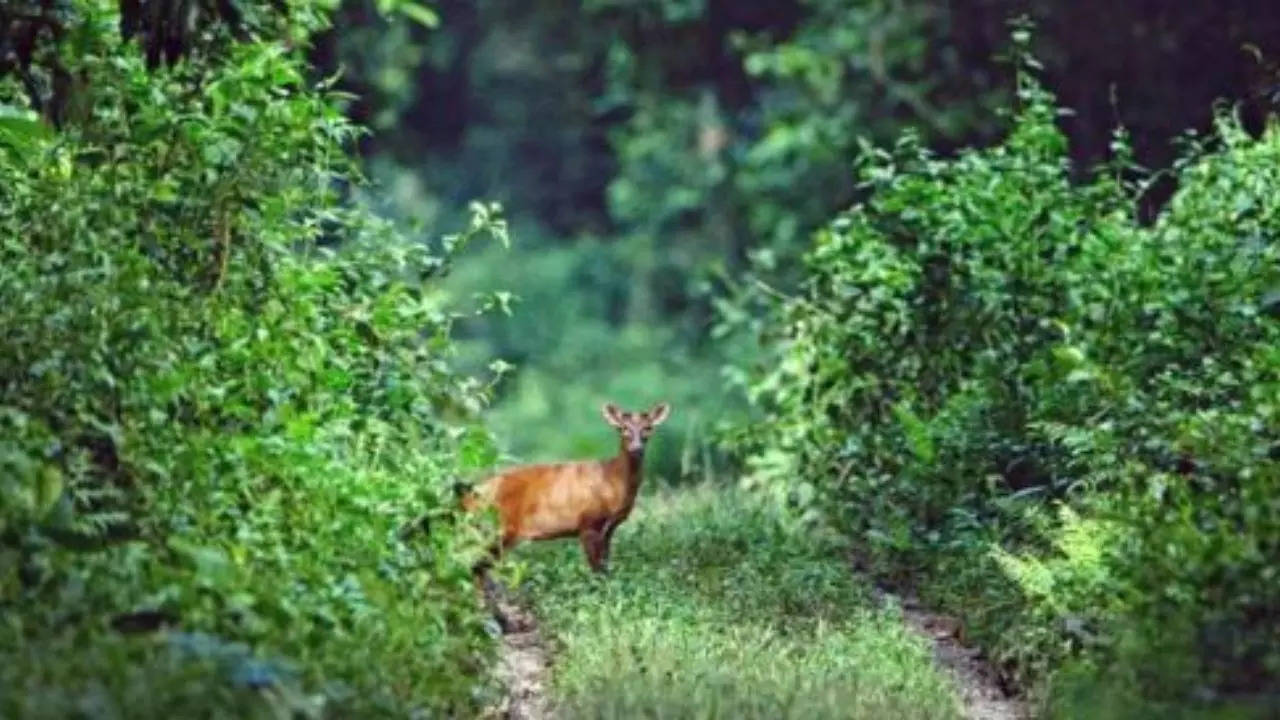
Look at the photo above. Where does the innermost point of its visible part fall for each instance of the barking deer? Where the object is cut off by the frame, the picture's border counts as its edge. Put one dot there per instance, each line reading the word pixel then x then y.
pixel 587 498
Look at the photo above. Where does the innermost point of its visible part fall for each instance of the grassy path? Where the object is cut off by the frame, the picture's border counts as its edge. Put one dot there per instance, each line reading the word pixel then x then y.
pixel 715 609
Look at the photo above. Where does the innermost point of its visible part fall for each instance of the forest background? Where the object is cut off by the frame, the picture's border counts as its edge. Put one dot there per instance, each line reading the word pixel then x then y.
pixel 648 152
pixel 1036 379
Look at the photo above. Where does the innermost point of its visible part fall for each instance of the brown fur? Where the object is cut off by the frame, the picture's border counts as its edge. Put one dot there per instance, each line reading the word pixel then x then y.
pixel 587 498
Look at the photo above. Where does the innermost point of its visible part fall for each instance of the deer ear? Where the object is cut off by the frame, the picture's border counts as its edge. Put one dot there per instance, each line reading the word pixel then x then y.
pixel 610 413
pixel 659 413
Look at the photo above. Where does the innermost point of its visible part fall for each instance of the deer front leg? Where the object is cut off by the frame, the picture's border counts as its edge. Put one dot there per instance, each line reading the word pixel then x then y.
pixel 593 545
pixel 608 543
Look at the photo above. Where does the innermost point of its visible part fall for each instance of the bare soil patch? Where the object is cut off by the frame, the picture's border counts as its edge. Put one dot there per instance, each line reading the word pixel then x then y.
pixel 523 666
pixel 982 693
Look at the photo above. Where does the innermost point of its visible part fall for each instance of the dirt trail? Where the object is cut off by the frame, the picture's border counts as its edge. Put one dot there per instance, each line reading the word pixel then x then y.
pixel 522 662
pixel 981 692
pixel 523 666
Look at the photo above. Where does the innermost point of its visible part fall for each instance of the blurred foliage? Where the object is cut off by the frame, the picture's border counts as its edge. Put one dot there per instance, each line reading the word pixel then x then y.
pixel 1057 420
pixel 224 392
pixel 649 150
pixel 34 33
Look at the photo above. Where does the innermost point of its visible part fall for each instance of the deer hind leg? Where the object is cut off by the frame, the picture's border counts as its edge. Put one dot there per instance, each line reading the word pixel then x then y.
pixel 490 592
pixel 508 539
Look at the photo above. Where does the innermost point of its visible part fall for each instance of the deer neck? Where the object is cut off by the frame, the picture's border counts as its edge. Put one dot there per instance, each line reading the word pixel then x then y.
pixel 627 465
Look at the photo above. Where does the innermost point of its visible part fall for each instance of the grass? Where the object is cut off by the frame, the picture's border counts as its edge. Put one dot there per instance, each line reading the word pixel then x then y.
pixel 716 608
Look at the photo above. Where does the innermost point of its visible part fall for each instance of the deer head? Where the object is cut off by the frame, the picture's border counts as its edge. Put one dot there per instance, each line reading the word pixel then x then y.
pixel 634 428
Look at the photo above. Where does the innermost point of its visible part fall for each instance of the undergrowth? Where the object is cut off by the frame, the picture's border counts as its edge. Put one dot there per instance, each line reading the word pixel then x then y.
pixel 1053 420
pixel 224 395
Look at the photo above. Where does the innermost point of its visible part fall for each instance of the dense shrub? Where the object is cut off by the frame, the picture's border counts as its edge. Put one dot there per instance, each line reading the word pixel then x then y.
pixel 993 374
pixel 223 394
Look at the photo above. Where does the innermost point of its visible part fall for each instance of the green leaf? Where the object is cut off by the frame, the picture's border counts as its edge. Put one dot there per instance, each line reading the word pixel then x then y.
pixel 48 489
pixel 476 450
pixel 212 566
pixel 917 433
pixel 22 130
pixel 421 14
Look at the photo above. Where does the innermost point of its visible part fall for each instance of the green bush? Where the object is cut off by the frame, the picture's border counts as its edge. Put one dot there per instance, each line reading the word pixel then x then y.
pixel 992 374
pixel 224 393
